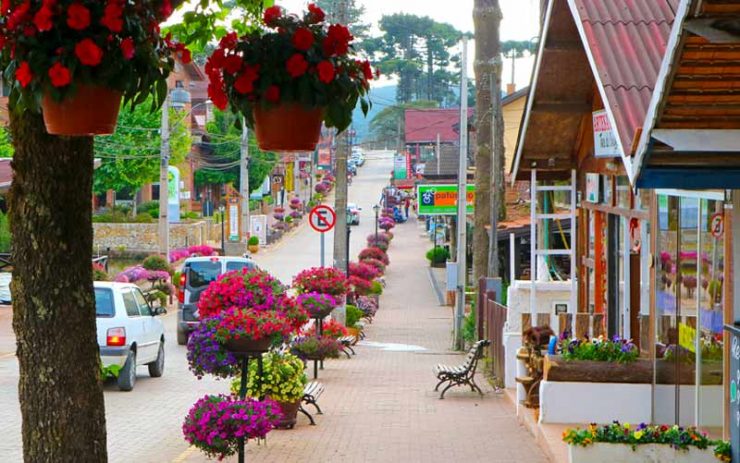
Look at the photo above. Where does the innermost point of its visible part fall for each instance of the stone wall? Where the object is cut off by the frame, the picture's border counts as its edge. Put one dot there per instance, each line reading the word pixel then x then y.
pixel 144 237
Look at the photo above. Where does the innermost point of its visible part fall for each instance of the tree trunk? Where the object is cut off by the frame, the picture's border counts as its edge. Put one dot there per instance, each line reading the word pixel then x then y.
pixel 134 205
pixel 486 17
pixel 60 395
pixel 430 70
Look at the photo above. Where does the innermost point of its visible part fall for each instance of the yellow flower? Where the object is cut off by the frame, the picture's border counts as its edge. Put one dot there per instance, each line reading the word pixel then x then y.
pixel 638 435
pixel 626 425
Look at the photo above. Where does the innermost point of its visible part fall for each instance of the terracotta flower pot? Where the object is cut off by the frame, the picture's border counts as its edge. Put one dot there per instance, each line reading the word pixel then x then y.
pixel 254 248
pixel 290 414
pixel 354 332
pixel 92 110
pixel 245 345
pixel 288 127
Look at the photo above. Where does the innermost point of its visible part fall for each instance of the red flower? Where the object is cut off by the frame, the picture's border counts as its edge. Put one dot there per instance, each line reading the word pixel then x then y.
pixel 367 70
pixel 232 64
pixel 272 94
pixel 183 53
pixel 245 82
pixel 326 71
pixel 128 48
pixel 18 15
pixel 166 10
pixel 59 75
pixel 215 63
pixel 78 17
pixel 88 52
pixel 113 16
pixel 296 65
pixel 337 40
pixel 228 41
pixel 271 15
pixel 42 19
pixel 23 74
pixel 317 14
pixel 303 38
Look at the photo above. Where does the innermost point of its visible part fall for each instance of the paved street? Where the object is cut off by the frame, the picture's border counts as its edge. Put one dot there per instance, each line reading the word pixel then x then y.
pixel 379 406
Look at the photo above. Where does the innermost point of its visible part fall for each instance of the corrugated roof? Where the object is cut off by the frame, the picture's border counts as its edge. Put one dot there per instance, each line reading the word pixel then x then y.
pixel 627 40
pixel 423 125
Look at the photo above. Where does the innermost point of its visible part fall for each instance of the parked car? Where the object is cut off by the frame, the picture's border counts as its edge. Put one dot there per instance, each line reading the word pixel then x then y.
pixel 353 214
pixel 351 167
pixel 129 332
pixel 197 273
pixel 358 157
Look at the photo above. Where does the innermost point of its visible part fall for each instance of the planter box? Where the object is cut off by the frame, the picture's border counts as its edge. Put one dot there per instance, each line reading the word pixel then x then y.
pixel 648 453
pixel 585 402
pixel 637 372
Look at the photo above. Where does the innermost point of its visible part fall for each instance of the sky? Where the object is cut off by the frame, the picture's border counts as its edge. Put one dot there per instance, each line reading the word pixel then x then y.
pixel 521 22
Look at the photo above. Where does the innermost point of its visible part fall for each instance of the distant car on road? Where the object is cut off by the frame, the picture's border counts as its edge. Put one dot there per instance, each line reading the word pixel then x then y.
pixel 197 273
pixel 128 330
pixel 353 214
pixel 358 157
pixel 351 167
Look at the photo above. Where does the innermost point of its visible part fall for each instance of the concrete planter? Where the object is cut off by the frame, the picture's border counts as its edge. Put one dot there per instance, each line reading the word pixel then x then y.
pixel 647 453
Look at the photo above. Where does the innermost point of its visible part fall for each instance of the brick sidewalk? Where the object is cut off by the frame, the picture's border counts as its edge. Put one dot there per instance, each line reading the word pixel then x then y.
pixel 380 407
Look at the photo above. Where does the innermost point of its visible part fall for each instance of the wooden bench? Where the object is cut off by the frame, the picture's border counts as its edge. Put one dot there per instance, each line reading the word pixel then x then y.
pixel 463 374
pixel 346 343
pixel 311 394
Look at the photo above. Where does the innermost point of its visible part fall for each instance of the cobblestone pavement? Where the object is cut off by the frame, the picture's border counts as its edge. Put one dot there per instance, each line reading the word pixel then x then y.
pixel 378 407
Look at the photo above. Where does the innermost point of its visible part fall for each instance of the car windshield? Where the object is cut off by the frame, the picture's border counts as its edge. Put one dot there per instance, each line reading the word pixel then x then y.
pixel 201 274
pixel 104 302
pixel 231 266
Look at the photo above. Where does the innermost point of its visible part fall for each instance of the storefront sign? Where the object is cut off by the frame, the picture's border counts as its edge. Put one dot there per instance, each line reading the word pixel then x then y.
pixel 258 227
pixel 442 199
pixel 234 220
pixel 605 142
pixel 592 188
pixel 401 166
pixel 717 225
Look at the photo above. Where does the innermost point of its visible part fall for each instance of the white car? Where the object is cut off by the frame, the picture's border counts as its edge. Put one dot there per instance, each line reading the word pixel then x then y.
pixel 129 332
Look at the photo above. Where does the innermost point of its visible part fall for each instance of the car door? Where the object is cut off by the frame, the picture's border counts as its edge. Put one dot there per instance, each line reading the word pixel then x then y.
pixel 151 326
pixel 134 324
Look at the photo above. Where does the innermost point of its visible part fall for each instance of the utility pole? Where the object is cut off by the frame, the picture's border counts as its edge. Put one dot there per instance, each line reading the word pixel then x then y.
pixel 244 181
pixel 438 153
pixel 164 167
pixel 341 241
pixel 462 185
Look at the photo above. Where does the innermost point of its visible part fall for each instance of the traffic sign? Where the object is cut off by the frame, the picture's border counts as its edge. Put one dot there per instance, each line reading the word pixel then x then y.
pixel 322 218
pixel 717 225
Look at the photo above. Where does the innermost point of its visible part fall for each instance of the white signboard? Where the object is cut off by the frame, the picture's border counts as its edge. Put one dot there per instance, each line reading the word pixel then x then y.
pixel 605 141
pixel 233 222
pixel 592 188
pixel 258 227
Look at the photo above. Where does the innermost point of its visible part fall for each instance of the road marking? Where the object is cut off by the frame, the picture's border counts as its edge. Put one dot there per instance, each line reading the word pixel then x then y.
pixel 184 455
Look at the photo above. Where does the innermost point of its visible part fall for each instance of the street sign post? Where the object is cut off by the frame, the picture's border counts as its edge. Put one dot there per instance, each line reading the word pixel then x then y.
pixel 322 219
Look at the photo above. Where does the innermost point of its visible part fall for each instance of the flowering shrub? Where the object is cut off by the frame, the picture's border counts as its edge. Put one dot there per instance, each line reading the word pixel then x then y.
pixel 387 234
pixel 253 289
pixel 386 223
pixel 279 216
pixel 295 203
pixel 368 306
pixel 379 266
pixel 380 238
pixel 616 433
pixel 192 251
pixel 283 378
pixel 208 356
pixel 291 60
pixel 157 262
pixel 313 348
pixel 363 270
pixel 216 422
pixel 601 350
pixel 138 273
pixel 331 328
pixel 329 178
pixel 374 253
pixel 360 286
pixel 99 273
pixel 327 280
pixel 316 303
pixel 251 324
pixel 321 188
pixel 296 215
pixel 379 243
pixel 52 47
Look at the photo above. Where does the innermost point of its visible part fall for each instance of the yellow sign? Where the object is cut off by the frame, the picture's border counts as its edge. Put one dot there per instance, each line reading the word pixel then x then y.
pixel 289 176
pixel 687 337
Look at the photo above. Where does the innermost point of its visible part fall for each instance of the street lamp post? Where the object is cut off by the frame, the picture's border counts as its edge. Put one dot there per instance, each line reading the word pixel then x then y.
pixel 349 231
pixel 222 211
pixel 376 209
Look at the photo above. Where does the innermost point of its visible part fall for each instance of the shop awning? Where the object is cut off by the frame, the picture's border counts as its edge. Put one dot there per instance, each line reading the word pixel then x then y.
pixel 691 137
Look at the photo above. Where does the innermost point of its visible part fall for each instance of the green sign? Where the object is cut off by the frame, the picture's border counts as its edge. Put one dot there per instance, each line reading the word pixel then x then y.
pixel 442 199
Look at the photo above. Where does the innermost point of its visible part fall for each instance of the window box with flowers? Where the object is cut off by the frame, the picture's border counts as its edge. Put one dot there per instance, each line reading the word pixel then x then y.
pixel 618 442
pixel 297 69
pixel 77 59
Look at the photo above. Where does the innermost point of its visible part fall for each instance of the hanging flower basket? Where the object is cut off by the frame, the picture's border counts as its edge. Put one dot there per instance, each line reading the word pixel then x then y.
pixel 305 127
pixel 245 345
pixel 77 59
pixel 288 77
pixel 91 111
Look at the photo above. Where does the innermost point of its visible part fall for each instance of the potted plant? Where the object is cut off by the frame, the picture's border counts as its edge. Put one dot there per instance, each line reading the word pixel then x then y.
pixel 368 306
pixel 297 69
pixel 354 315
pixel 315 347
pixel 379 266
pixel 326 280
pixel 332 329
pixel 374 253
pixel 245 330
pixel 77 59
pixel 437 256
pixel 253 244
pixel 282 380
pixel 215 423
pixel 254 289
pixel 656 443
pixel 318 305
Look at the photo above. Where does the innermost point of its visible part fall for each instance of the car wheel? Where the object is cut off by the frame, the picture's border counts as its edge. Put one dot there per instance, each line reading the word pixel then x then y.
pixel 156 368
pixel 127 375
pixel 182 336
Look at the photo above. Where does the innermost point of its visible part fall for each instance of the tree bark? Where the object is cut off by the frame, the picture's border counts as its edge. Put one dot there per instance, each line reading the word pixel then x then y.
pixel 60 395
pixel 486 18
